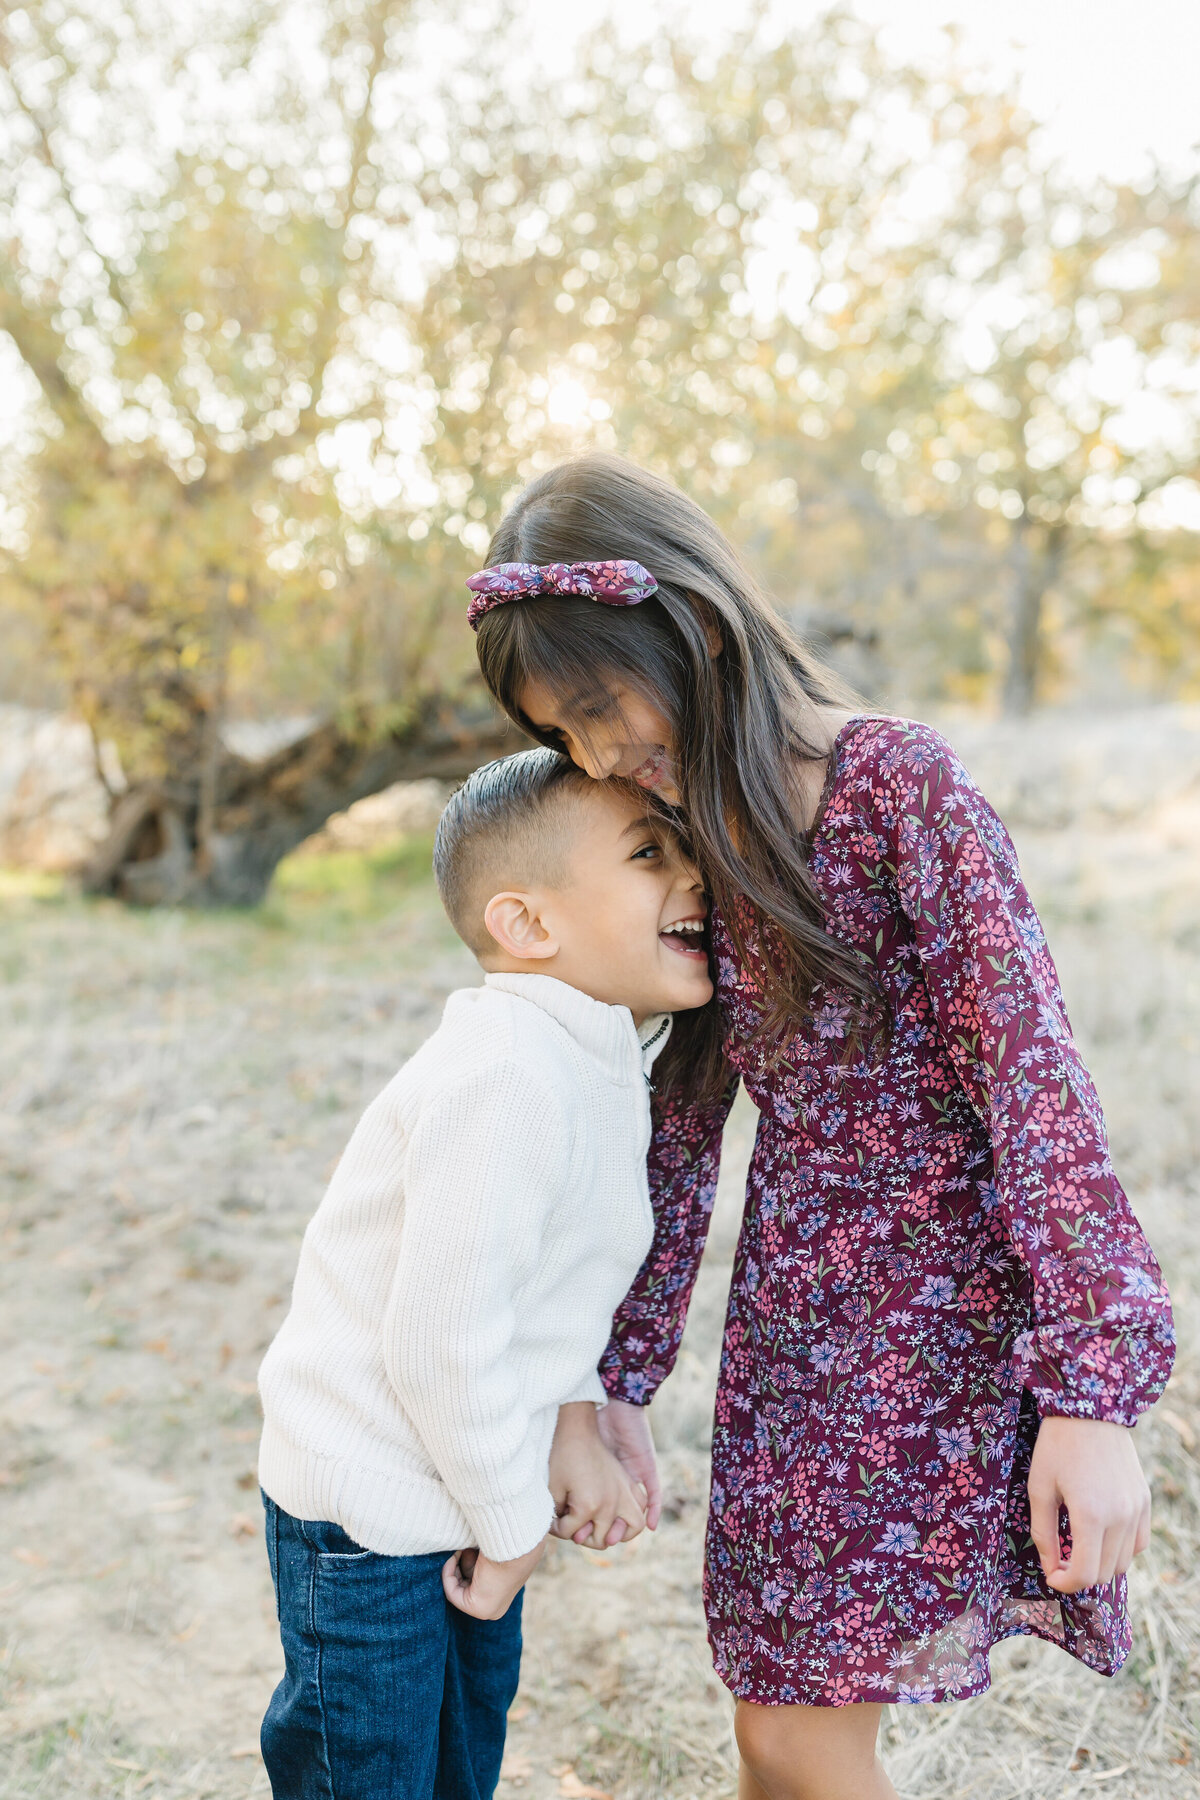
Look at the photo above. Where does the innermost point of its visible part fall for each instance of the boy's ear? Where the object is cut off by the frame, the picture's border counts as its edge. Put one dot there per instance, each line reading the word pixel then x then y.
pixel 514 922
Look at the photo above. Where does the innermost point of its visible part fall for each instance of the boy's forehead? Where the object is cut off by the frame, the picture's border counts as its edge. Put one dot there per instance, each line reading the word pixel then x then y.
pixel 620 810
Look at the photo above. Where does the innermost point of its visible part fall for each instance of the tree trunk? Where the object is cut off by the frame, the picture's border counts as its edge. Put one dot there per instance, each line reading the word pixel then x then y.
pixel 1030 580
pixel 161 850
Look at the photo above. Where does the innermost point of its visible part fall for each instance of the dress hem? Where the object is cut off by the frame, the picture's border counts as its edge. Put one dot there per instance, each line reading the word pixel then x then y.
pixel 878 1698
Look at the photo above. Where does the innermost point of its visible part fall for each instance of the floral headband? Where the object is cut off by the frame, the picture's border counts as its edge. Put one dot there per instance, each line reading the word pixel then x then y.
pixel 611 583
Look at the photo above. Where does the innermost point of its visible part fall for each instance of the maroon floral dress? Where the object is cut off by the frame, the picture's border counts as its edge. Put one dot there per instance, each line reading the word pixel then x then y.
pixel 935 1250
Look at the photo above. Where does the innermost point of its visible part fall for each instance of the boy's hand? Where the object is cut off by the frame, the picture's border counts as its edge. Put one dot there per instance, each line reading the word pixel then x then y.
pixel 1091 1468
pixel 626 1431
pixel 597 1503
pixel 483 1588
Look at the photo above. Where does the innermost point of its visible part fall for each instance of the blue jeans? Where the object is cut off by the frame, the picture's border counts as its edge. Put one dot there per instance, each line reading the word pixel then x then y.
pixel 388 1691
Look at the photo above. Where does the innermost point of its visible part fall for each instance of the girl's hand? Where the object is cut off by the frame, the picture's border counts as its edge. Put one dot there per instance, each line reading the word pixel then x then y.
pixel 483 1588
pixel 1092 1469
pixel 597 1504
pixel 626 1431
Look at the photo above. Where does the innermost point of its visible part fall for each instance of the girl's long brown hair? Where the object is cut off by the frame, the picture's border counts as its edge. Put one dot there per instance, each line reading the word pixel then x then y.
pixel 711 654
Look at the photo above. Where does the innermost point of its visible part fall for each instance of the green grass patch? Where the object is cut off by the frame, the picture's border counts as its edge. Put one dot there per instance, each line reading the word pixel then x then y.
pixel 30 884
pixel 344 885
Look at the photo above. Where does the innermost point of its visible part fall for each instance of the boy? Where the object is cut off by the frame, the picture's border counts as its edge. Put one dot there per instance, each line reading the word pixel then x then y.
pixel 455 1291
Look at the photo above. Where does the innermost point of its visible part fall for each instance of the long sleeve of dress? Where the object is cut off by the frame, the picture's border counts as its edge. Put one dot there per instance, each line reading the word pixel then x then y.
pixel 683 1164
pixel 1101 1341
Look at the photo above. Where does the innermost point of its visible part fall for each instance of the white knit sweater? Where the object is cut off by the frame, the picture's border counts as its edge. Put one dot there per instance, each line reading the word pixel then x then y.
pixel 457 1283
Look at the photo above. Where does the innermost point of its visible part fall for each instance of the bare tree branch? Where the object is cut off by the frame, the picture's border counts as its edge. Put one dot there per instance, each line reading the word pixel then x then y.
pixel 115 285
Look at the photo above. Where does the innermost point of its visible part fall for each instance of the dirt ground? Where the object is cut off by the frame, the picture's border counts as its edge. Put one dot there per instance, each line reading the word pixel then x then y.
pixel 173 1092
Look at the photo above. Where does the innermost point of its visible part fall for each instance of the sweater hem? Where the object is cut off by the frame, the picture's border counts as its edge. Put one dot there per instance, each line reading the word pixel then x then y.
pixel 399 1511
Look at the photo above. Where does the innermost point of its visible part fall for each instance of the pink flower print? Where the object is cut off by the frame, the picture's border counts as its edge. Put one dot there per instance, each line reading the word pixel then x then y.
pixel 963 1011
pixel 881 1450
pixel 996 932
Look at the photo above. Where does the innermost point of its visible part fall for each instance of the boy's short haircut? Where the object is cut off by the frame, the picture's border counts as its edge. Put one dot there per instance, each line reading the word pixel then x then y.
pixel 506 826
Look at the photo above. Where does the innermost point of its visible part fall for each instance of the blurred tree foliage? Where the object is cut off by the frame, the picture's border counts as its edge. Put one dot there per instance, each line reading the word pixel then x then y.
pixel 306 292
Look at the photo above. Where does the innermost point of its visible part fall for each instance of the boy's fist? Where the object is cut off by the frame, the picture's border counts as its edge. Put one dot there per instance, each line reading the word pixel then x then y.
pixel 597 1504
pixel 483 1588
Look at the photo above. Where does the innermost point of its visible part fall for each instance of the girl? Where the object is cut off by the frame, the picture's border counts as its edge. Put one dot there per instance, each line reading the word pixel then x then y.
pixel 944 1318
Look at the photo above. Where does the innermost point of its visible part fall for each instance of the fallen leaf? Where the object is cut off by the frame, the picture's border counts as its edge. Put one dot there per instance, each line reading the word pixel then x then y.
pixel 518 1713
pixel 248 1480
pixel 572 1788
pixel 180 1503
pixel 46 1368
pixel 181 1637
pixel 515 1767
pixel 245 1750
pixel 241 1387
pixel 243 1525
pixel 109 1569
pixel 120 1762
pixel 158 1346
pixel 24 1554
pixel 243 1435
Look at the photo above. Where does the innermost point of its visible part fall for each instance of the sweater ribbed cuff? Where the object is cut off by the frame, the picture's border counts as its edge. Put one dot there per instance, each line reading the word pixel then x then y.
pixel 510 1528
pixel 590 1388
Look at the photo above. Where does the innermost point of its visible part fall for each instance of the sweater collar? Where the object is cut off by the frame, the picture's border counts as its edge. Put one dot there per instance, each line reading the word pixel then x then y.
pixel 605 1032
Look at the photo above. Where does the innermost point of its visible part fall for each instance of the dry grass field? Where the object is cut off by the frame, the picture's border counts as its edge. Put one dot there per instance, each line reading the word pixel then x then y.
pixel 173 1091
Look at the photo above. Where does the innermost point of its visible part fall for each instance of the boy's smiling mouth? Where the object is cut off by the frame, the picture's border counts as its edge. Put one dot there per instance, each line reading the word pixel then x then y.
pixel 686 938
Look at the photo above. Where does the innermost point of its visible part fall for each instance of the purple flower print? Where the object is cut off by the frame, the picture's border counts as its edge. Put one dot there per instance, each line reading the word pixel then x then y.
pixel 899 1537
pixel 939 1290
pixel 955 1443
pixel 773 1597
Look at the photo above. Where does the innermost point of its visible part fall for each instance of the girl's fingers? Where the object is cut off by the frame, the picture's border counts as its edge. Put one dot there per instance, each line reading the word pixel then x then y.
pixel 1110 1564
pixel 1043 1529
pixel 1142 1536
pixel 1128 1549
pixel 1083 1569
pixel 616 1533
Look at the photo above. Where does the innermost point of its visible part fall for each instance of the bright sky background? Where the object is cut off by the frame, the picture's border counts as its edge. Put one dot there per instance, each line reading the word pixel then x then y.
pixel 1113 78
